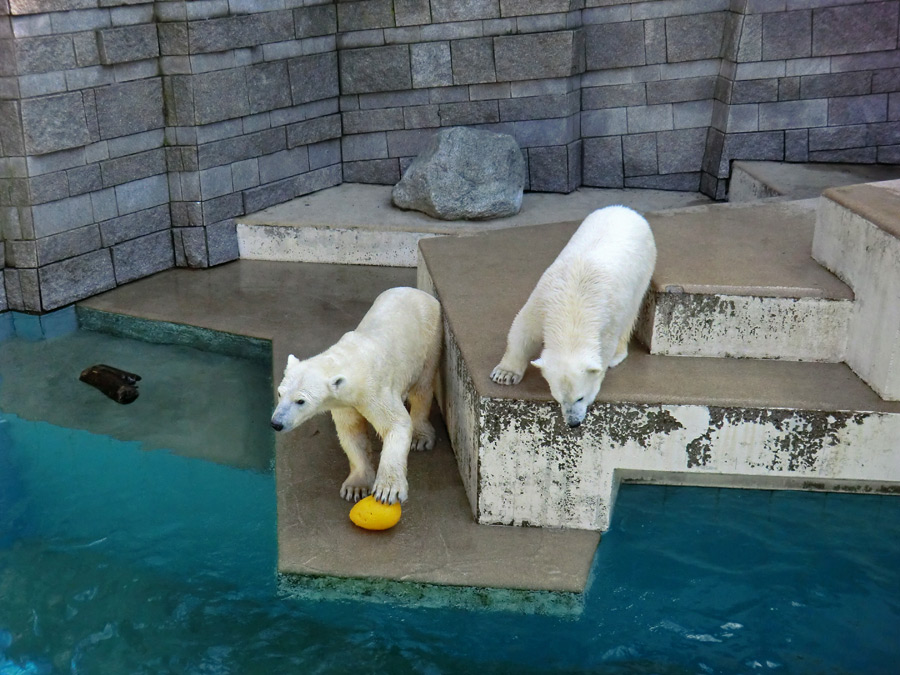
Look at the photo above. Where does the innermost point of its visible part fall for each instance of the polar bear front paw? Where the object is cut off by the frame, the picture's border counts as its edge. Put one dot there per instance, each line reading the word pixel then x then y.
pixel 422 439
pixel 354 489
pixel 504 376
pixel 391 491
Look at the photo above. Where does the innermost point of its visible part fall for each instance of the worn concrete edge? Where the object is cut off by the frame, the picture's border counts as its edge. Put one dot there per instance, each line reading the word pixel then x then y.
pixel 422 595
pixel 166 332
pixel 752 482
pixel 874 202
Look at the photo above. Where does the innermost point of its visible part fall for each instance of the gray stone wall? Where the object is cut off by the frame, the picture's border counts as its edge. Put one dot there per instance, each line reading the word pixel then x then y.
pixel 133 133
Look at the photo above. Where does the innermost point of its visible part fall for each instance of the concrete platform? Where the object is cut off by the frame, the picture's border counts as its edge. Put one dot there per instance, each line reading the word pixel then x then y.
pixel 302 309
pixel 357 224
pixel 751 181
pixel 727 422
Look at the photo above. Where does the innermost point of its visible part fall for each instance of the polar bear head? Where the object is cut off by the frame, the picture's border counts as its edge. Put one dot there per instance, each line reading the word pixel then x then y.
pixel 305 391
pixel 574 381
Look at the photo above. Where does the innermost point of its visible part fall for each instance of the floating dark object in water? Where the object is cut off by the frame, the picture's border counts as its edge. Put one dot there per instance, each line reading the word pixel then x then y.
pixel 119 385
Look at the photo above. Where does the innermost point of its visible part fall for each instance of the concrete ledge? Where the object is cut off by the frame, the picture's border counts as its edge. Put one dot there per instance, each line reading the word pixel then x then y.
pixel 773 423
pixel 751 181
pixel 856 236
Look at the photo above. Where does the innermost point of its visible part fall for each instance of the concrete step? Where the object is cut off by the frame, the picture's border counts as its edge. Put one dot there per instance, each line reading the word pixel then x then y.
pixel 356 224
pixel 857 236
pixel 738 280
pixel 752 181
pixel 706 421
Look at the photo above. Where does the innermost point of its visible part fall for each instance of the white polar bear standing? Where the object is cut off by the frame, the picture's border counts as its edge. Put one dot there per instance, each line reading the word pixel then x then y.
pixel 583 309
pixel 367 375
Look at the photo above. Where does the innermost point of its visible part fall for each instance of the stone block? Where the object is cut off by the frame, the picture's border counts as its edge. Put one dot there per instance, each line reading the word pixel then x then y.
pixel 421 116
pixel 46 188
pixel 602 162
pixel 400 99
pixel 224 207
pixel 53 123
pixel 129 107
pixel 210 105
pixel 852 29
pixel 59 216
pixel 324 154
pixel 793 114
pixel 548 169
pixel 374 171
pixel 646 118
pixel 128 43
pixel 614 96
pixel 491 90
pixel 767 145
pixel 538 107
pixel 848 156
pixel 409 142
pixel 245 174
pixel 283 164
pixel 692 114
pixel 885 81
pixel 76 278
pixel 365 15
pixel 471 113
pixel 529 7
pixel 473 61
pixel 681 182
pixel 315 21
pixel 639 154
pixel 694 37
pixel 787 35
pixel 681 151
pixel 21 253
pixel 796 145
pixel 138 258
pixel 84 179
pixel 314 131
pixel 614 45
pixel 857 109
pixel 364 146
pixel 411 12
pixel 313 77
pixel 464 10
pixel 538 55
pixel 43 54
pixel 888 154
pixel 884 133
pixel 755 91
pixel 676 91
pixel 226 151
pixel 134 225
pixel 173 39
pixel 750 42
pixel 189 244
pixel 360 38
pixel 838 138
pixel 215 182
pixel 268 86
pixel 430 63
pixel 835 84
pixel 132 167
pixel 142 194
pixel 12 141
pixel 375 69
pixel 67 244
pixel 222 242
pixel 611 122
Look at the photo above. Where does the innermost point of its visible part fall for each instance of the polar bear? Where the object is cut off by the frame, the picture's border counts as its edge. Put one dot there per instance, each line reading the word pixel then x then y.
pixel 367 375
pixel 583 309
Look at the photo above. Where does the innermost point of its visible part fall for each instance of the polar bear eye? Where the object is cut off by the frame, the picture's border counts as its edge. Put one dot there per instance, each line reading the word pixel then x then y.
pixel 579 400
pixel 300 401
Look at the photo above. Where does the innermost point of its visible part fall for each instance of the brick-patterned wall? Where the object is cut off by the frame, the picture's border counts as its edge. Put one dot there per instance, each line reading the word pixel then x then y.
pixel 133 133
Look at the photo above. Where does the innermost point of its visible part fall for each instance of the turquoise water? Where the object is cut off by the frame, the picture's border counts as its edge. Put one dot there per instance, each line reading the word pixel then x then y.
pixel 120 555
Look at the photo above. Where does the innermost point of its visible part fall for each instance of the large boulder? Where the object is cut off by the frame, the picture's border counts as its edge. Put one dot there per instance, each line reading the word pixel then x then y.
pixel 464 174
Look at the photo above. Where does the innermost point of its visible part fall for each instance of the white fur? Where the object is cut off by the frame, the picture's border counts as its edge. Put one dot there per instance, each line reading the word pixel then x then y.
pixel 583 309
pixel 367 375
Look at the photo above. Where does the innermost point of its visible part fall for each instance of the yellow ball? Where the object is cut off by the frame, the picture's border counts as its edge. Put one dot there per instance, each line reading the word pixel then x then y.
pixel 371 514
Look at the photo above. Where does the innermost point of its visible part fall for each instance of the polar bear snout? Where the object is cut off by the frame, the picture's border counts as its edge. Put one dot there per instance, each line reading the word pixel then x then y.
pixel 276 425
pixel 573 423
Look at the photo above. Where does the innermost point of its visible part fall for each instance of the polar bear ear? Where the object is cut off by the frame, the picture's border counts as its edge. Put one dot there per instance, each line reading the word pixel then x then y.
pixel 594 368
pixel 538 363
pixel 336 383
pixel 292 360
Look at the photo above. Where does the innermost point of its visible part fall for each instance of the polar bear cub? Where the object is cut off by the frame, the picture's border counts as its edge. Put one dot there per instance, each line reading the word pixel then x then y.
pixel 583 309
pixel 367 375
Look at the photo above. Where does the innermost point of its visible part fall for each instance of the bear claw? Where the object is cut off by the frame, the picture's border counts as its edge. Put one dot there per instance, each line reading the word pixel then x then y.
pixel 353 493
pixel 503 376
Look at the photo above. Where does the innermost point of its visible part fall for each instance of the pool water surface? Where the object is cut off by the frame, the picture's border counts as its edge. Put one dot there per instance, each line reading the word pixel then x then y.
pixel 141 539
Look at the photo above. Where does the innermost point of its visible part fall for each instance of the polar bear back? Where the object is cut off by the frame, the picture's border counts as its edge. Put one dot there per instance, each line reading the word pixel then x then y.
pixel 400 333
pixel 598 279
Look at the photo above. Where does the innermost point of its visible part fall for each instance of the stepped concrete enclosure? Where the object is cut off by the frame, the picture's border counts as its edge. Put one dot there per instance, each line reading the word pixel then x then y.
pixel 132 133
